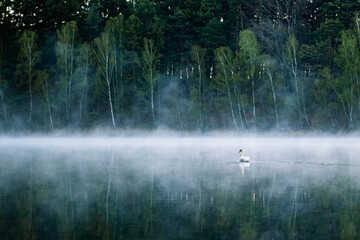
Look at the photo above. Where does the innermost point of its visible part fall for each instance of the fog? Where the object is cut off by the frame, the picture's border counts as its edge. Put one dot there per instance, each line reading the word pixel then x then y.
pixel 177 187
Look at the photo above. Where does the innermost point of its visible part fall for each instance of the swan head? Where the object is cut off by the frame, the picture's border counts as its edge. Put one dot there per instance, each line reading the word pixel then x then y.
pixel 241 150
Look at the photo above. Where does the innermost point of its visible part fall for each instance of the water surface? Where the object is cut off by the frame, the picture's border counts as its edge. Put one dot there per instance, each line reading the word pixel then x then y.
pixel 179 188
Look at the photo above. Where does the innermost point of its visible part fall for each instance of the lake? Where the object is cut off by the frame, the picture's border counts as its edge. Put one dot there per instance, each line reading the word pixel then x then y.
pixel 179 188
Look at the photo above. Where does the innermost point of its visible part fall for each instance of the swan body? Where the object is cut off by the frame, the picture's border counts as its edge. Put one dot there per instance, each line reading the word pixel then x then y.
pixel 242 158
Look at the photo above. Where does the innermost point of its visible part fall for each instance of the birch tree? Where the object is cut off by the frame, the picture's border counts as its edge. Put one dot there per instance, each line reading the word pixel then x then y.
pixel 291 55
pixel 348 59
pixel 223 57
pixel 28 57
pixel 105 59
pixel 83 63
pixel 249 47
pixel 198 56
pixel 357 27
pixel 65 50
pixel 148 64
pixel 2 88
pixel 270 68
pixel 43 80
pixel 115 27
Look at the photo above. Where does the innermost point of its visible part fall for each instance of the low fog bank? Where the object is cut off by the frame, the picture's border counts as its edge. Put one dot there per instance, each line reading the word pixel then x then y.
pixel 165 132
pixel 161 140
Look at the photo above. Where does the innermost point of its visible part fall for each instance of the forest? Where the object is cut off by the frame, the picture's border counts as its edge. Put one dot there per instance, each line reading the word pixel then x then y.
pixel 195 65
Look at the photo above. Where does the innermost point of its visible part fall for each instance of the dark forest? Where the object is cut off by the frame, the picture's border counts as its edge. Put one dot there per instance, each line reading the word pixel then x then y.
pixel 180 64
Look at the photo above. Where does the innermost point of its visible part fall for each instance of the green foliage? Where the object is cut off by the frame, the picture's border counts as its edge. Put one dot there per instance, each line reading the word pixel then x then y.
pixel 205 58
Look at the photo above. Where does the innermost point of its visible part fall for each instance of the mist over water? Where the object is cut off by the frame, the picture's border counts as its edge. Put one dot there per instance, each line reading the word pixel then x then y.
pixel 179 187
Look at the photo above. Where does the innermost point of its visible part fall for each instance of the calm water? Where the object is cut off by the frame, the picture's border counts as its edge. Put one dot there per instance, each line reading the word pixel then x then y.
pixel 179 188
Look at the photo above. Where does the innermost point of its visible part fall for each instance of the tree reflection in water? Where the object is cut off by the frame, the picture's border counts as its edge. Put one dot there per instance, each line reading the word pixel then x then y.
pixel 183 193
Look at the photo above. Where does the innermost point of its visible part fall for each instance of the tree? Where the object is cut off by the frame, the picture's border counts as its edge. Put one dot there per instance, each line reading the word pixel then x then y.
pixel 115 28
pixel 223 58
pixel 2 87
pixel 291 55
pixel 65 49
pixel 348 59
pixel 148 64
pixel 133 42
pixel 249 48
pixel 43 77
pixel 338 10
pixel 198 56
pixel 83 63
pixel 270 69
pixel 326 36
pixel 322 89
pixel 105 59
pixel 28 57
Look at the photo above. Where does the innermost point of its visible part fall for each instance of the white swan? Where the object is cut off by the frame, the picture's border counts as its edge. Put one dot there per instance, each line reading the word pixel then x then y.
pixel 242 158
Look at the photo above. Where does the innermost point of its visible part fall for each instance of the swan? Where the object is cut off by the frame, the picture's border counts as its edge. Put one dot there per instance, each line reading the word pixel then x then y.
pixel 242 158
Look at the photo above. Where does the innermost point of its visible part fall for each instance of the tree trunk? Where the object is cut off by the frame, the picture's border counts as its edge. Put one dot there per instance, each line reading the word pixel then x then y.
pixel 230 100
pixel 152 83
pixel 115 83
pixel 253 97
pixel 178 106
pixel 49 109
pixel 110 99
pixel 238 100
pixel 304 106
pixel 246 120
pixel 71 66
pixel 274 98
pixel 66 86
pixel 342 102
pixel 84 88
pixel 2 97
pixel 351 107
pixel 30 87
pixel 200 96
pixel 297 96
pixel 228 91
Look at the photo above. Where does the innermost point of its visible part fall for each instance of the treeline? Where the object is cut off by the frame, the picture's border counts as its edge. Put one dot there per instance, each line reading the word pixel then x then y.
pixel 180 64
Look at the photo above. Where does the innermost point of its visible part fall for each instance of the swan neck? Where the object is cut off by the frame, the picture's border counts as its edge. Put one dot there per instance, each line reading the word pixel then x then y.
pixel 241 154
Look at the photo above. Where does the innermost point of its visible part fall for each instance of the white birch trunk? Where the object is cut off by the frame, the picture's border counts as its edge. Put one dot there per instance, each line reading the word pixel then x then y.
pixel 304 106
pixel 71 66
pixel 351 107
pixel 239 103
pixel 152 82
pixel 66 84
pixel 200 96
pixel 30 83
pixel 2 97
pixel 49 109
pixel 45 88
pixel 294 71
pixel 272 85
pixel 84 86
pixel 342 103
pixel 228 92
pixel 230 101
pixel 253 97
pixel 109 91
